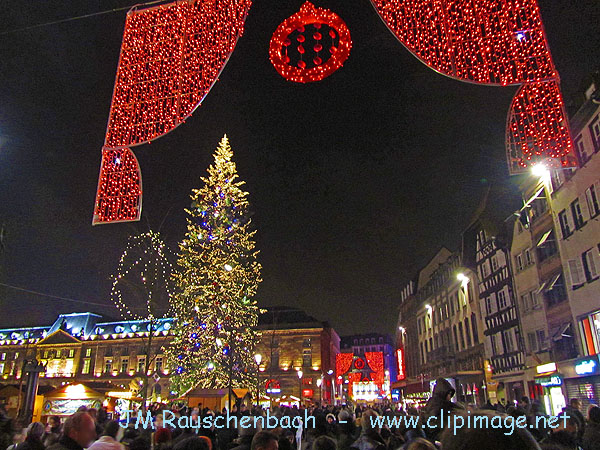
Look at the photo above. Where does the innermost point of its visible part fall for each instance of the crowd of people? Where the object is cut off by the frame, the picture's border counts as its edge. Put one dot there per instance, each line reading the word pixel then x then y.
pixel 344 427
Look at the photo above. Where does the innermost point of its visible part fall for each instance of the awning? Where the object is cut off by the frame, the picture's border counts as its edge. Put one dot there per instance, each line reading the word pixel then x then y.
pixel 416 388
pixel 553 281
pixel 541 288
pixel 543 238
pixel 560 332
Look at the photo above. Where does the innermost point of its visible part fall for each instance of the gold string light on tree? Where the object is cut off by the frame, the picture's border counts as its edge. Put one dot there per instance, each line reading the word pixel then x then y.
pixel 217 277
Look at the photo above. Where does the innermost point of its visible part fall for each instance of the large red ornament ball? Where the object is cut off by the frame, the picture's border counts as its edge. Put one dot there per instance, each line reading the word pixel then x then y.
pixel 309 15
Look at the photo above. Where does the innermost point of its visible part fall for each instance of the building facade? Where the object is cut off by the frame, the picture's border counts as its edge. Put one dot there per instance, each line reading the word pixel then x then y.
pixel 118 356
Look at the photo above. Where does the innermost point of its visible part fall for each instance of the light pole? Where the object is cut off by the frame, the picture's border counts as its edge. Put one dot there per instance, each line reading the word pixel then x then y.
pixel 300 386
pixel 258 359
pixel 320 386
pixel 332 399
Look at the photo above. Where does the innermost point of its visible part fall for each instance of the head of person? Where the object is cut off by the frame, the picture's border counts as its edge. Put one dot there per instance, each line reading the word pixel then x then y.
pixel 139 443
pixel 111 429
pixel 594 414
pixel 35 431
pixel 420 444
pixel 504 435
pixel 158 421
pixel 208 441
pixel 54 421
pixel 162 436
pixel 570 424
pixel 324 443
pixel 330 418
pixel 264 440
pixel 93 412
pixel 81 428
pixel 369 421
pixel 575 403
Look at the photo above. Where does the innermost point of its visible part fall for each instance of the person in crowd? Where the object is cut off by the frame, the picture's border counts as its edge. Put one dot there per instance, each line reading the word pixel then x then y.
pixel 564 436
pixel 420 444
pixel 591 436
pixel 141 443
pixel 574 410
pixel 286 439
pixel 370 437
pixel 163 439
pixel 488 438
pixel 264 440
pixel 33 439
pixel 78 433
pixel 324 443
pixel 108 439
pixel 246 433
pixel 53 430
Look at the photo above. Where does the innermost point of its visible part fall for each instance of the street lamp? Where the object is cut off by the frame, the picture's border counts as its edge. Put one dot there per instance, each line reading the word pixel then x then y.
pixel 319 385
pixel 300 385
pixel 258 359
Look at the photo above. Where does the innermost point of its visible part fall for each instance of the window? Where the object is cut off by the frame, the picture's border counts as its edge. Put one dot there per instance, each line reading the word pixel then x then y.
pixel 525 302
pixel 584 156
pixel 591 196
pixel 474 329
pixel 124 364
pixel 484 270
pixel 528 257
pixel 591 265
pixel 275 358
pixel 71 353
pixel 533 344
pixel 461 335
pixel 16 355
pixel 577 214
pixel 541 338
pixel 58 353
pixel 306 343
pixel 556 292
pixel 141 364
pixel 355 341
pixel 2 368
pixel 494 261
pixel 307 357
pixel 456 346
pixel 488 306
pixel 508 341
pixel 501 300
pixel 519 262
pixel 494 345
pixel 535 301
pixel 372 340
pixel 547 246
pixel 46 353
pixel 576 271
pixel 468 331
pixel 381 340
pixel 158 364
pixel 564 224
pixel 86 366
pixel 107 365
pixel 88 352
pixel 2 357
pixel 595 131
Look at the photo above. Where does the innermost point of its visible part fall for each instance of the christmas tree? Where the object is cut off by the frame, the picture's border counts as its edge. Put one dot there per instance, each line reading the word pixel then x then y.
pixel 217 278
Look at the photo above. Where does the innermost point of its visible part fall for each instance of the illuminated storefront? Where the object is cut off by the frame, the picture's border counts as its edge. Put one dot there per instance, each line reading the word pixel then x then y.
pixel 589 330
pixel 582 379
pixel 551 382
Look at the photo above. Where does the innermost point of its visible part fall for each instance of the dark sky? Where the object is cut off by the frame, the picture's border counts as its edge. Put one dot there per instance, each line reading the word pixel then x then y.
pixel 355 181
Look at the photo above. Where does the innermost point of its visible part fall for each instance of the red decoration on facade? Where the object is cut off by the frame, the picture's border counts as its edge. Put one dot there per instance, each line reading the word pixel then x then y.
pixel 359 364
pixel 171 56
pixel 537 129
pixel 311 69
pixel 401 364
pixel 343 361
pixel 498 42
pixel 375 362
pixel 354 377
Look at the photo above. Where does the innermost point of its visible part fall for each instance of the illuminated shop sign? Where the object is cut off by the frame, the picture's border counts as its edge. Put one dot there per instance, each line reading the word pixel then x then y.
pixel 545 368
pixel 554 380
pixel 586 367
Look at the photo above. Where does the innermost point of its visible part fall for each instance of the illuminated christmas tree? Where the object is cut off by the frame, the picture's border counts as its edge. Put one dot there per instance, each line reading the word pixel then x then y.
pixel 217 278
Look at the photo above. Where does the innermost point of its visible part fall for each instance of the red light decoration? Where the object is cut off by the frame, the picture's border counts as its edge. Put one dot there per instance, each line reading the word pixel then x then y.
pixel 343 361
pixel 494 42
pixel 354 377
pixel 359 364
pixel 171 56
pixel 375 362
pixel 321 65
pixel 537 129
pixel 401 366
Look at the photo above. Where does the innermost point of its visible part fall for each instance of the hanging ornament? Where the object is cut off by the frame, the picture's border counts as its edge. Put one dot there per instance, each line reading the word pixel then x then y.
pixel 305 63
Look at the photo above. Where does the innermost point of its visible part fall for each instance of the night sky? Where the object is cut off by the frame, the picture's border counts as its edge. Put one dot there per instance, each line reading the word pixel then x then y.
pixel 355 181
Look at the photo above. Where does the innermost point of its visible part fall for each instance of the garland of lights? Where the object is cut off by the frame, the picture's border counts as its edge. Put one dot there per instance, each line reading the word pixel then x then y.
pixel 343 362
pixel 144 262
pixel 171 56
pixel 293 29
pixel 495 43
